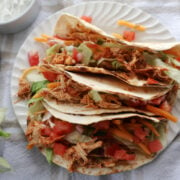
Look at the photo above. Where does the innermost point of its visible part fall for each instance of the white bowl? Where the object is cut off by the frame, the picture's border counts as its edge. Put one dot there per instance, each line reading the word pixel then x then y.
pixel 22 21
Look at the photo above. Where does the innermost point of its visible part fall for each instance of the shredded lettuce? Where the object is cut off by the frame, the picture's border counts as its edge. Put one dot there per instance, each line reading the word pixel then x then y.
pixel 76 137
pixel 4 165
pixel 33 100
pixel 2 114
pixel 49 155
pixel 36 107
pixel 116 65
pixel 155 61
pixel 4 134
pixel 53 50
pixel 87 53
pixel 95 96
pixel 36 86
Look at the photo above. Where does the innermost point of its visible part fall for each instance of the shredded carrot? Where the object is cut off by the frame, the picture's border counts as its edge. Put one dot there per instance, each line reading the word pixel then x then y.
pixel 26 71
pixel 118 36
pixel 131 25
pixel 161 112
pixel 144 148
pixel 122 134
pixel 150 126
pixel 45 36
pixel 53 85
pixel 40 39
pixel 117 122
pixel 37 95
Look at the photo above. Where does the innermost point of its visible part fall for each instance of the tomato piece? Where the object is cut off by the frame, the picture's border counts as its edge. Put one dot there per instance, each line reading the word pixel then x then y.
pixel 46 131
pixel 33 58
pixel 152 81
pixel 140 133
pixel 110 149
pixel 59 149
pixel 87 18
pixel 123 155
pixel 62 127
pixel 91 45
pixel 50 76
pixel 155 146
pixel 157 101
pixel 75 55
pixel 178 59
pixel 165 106
pixel 129 35
pixel 103 125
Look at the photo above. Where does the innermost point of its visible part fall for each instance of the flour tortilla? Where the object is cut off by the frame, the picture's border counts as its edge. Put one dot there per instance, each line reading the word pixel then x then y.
pixel 85 120
pixel 67 24
pixel 79 109
pixel 111 85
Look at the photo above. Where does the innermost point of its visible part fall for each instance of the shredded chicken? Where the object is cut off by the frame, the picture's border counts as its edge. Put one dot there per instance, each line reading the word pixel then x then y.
pixel 63 58
pixel 78 154
pixel 33 134
pixel 24 90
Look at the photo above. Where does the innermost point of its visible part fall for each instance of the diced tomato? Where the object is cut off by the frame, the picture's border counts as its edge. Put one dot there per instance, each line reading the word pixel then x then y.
pixel 75 55
pixel 123 155
pixel 93 46
pixel 87 18
pixel 140 133
pixel 178 59
pixel 157 101
pixel 103 125
pixel 46 131
pixel 136 103
pixel 155 146
pixel 129 35
pixel 59 149
pixel 62 127
pixel 33 58
pixel 50 76
pixel 152 81
pixel 110 149
pixel 165 106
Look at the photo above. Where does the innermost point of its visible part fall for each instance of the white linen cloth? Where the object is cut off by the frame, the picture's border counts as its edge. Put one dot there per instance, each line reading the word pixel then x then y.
pixel 28 165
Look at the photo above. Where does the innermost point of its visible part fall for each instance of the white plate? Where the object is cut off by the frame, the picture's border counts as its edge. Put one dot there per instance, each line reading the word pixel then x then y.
pixel 105 16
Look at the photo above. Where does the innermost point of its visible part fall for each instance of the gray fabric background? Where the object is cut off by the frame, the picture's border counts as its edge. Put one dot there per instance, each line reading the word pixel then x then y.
pixel 28 165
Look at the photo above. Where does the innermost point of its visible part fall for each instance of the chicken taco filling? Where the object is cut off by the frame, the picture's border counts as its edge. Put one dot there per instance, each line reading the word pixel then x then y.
pixel 60 87
pixel 77 44
pixel 96 145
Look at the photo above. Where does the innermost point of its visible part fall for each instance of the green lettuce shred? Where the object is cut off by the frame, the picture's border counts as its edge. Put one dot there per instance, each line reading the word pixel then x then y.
pixel 95 96
pixel 4 165
pixel 36 86
pixel 49 155
pixel 87 53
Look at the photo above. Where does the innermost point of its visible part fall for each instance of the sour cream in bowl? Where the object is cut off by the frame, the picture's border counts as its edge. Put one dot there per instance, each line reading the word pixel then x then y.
pixel 16 15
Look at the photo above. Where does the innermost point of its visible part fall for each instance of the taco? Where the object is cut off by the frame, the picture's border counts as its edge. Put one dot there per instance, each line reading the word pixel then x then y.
pixel 54 84
pixel 95 144
pixel 81 47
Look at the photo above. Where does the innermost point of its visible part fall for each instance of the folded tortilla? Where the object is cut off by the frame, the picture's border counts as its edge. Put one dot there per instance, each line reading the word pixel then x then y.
pixel 146 60
pixel 103 91
pixel 82 150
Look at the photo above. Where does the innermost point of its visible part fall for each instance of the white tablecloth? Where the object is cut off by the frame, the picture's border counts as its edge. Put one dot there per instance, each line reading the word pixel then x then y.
pixel 28 165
